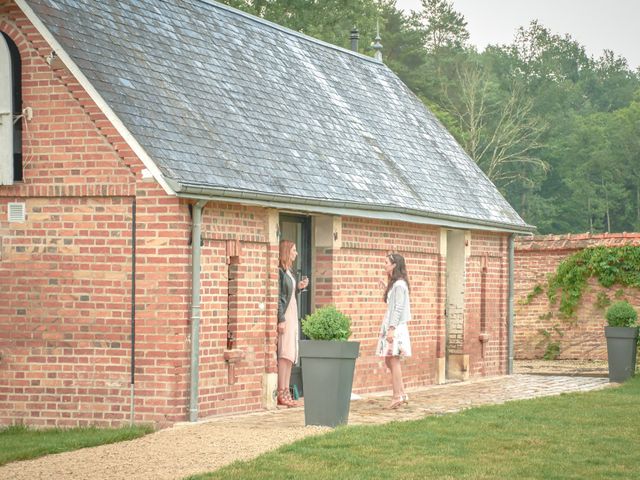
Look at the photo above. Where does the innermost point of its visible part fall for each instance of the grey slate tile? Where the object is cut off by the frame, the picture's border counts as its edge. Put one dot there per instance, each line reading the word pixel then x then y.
pixel 221 99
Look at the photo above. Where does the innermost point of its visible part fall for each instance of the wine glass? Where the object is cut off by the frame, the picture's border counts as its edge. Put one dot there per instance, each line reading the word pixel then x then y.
pixel 302 279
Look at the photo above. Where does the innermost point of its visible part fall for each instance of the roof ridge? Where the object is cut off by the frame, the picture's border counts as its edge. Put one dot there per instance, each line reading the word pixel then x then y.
pixel 290 31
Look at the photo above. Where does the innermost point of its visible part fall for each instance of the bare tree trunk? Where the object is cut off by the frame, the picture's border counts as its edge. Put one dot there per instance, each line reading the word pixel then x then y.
pixel 606 205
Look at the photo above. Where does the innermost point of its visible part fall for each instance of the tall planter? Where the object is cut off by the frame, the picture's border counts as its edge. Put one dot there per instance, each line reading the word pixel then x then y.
pixel 327 376
pixel 621 352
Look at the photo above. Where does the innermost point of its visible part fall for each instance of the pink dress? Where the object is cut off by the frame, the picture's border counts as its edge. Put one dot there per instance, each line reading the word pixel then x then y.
pixel 288 341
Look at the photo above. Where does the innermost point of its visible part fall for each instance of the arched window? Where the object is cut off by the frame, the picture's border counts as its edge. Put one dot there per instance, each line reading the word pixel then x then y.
pixel 10 111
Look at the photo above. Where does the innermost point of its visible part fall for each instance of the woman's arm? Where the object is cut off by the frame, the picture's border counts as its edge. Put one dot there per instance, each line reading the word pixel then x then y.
pixel 282 296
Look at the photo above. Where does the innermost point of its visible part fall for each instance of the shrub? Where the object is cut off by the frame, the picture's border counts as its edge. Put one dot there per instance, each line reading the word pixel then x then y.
pixel 327 323
pixel 621 314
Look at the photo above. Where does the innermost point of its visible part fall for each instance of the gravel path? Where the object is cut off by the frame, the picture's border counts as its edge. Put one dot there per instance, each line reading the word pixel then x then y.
pixel 169 454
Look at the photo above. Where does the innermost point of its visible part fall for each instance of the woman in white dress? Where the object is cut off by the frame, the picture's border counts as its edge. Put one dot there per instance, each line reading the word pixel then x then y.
pixel 394 342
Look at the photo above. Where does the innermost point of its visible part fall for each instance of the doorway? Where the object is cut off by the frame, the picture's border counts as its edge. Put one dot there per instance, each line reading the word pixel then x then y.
pixel 297 228
pixel 455 368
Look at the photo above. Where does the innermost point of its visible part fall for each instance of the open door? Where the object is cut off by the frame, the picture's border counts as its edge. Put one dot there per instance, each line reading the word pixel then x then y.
pixel 298 229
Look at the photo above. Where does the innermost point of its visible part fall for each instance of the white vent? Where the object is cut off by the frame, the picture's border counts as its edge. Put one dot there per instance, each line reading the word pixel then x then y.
pixel 17 212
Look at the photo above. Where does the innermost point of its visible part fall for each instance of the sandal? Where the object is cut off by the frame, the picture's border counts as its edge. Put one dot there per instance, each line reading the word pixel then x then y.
pixel 284 399
pixel 396 402
pixel 294 403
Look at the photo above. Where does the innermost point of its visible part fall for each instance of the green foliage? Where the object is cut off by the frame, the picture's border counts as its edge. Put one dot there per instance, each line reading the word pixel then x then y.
pixel 537 290
pixel 19 442
pixel 602 300
pixel 621 314
pixel 327 323
pixel 610 265
pixel 552 349
pixel 553 437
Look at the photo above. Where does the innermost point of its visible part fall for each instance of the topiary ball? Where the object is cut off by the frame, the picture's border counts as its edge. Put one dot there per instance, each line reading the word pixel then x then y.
pixel 327 323
pixel 621 314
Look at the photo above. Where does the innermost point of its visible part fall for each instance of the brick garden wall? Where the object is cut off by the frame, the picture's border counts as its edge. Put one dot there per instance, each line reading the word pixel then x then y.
pixel 536 258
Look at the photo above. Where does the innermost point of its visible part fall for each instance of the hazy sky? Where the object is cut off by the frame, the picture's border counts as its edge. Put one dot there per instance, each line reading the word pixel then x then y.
pixel 596 24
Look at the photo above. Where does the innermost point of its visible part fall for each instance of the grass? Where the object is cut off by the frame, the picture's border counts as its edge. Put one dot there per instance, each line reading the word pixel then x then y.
pixel 591 435
pixel 23 443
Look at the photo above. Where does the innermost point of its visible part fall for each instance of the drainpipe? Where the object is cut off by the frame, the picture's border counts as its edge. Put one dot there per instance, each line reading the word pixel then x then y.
pixel 133 309
pixel 510 307
pixel 196 237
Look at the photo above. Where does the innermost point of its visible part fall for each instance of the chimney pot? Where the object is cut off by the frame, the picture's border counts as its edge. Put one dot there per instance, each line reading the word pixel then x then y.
pixel 355 35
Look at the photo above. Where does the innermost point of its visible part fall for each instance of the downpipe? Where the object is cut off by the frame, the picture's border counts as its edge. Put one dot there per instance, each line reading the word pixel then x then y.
pixel 196 248
pixel 510 294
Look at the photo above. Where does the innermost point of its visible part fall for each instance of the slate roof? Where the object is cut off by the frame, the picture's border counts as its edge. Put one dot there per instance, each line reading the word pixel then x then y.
pixel 225 102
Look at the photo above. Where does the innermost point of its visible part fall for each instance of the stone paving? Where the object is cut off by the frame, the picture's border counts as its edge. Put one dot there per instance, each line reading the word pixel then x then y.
pixel 187 449
pixel 440 399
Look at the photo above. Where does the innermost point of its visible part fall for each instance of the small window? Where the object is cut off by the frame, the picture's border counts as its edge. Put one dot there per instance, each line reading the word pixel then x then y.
pixel 10 111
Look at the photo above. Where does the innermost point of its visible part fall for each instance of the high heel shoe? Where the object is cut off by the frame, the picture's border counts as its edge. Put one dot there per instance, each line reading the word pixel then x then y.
pixel 395 402
pixel 284 399
pixel 294 403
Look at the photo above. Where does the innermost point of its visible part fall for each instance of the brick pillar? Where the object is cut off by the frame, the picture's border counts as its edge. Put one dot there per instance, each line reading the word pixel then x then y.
pixel 327 241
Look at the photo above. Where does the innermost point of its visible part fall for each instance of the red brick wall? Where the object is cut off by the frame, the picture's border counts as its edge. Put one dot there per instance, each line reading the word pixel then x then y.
pixel 536 258
pixel 222 391
pixel 486 304
pixel 65 301
pixel 359 267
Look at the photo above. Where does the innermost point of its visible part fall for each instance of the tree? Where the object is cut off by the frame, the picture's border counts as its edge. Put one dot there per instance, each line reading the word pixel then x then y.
pixel 444 27
pixel 498 129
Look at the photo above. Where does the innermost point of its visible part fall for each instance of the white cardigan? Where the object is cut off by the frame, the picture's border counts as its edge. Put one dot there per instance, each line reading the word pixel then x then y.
pixel 398 305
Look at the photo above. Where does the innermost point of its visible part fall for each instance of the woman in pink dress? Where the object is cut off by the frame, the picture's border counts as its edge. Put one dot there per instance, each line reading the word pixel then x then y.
pixel 394 342
pixel 287 320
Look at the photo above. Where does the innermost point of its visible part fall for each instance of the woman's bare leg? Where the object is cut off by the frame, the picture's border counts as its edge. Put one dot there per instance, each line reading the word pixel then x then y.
pixel 396 376
pixel 284 373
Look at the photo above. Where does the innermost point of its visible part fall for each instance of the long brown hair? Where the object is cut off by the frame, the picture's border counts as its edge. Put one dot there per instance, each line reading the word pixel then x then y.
pixel 284 260
pixel 399 272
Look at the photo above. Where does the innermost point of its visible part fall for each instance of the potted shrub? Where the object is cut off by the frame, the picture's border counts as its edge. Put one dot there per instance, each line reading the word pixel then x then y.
pixel 328 362
pixel 622 335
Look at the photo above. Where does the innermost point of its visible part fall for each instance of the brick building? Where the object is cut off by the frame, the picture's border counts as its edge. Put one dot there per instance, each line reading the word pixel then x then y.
pixel 536 258
pixel 159 152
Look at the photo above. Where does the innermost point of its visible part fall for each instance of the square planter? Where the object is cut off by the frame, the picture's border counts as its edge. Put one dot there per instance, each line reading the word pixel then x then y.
pixel 327 376
pixel 621 352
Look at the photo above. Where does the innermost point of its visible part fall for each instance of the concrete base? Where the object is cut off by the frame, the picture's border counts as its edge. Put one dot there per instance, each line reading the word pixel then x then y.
pixel 269 386
pixel 458 367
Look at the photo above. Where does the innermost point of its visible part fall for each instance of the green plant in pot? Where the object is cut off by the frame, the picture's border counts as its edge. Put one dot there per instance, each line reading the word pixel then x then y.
pixel 622 340
pixel 328 363
pixel 327 323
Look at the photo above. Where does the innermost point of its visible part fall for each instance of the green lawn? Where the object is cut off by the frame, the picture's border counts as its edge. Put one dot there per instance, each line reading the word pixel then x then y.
pixel 592 435
pixel 22 443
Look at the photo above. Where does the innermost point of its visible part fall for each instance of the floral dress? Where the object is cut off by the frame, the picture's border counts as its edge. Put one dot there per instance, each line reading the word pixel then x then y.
pixel 398 315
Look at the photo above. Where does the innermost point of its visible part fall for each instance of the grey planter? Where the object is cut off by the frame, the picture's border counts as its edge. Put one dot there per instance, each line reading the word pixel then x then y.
pixel 327 376
pixel 621 352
